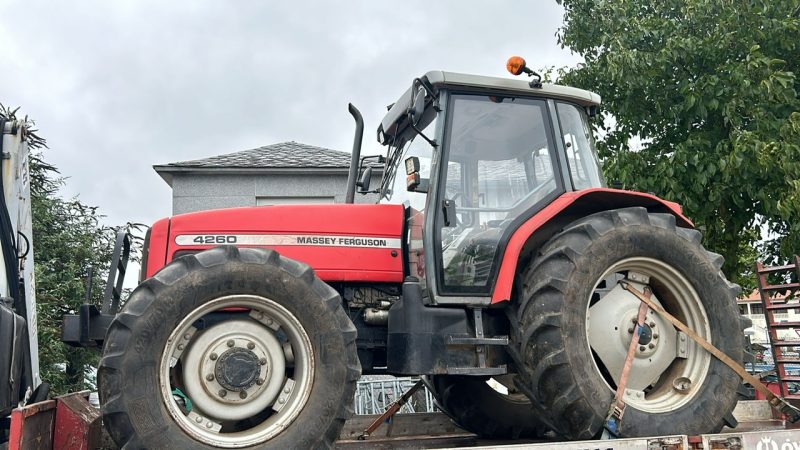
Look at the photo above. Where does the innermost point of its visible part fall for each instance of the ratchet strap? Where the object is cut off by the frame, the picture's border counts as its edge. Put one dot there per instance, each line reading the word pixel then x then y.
pixel 617 409
pixel 779 404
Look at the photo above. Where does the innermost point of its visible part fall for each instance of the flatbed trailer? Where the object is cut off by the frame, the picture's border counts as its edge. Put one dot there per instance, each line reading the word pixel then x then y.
pixel 758 429
pixel 70 422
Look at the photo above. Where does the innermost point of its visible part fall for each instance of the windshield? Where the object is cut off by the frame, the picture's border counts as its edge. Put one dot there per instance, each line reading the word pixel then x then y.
pixel 410 143
pixel 500 166
pixel 394 188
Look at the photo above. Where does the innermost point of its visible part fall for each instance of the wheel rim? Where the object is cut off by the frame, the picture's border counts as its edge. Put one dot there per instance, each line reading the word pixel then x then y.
pixel 247 376
pixel 503 385
pixel 669 368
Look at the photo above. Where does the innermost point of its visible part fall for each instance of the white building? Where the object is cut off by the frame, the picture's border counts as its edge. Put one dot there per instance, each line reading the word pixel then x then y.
pixel 752 307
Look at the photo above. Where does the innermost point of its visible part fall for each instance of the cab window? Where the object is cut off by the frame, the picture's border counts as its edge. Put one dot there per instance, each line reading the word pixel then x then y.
pixel 584 166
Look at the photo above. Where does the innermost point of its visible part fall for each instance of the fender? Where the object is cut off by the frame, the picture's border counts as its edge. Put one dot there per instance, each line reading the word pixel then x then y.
pixel 566 208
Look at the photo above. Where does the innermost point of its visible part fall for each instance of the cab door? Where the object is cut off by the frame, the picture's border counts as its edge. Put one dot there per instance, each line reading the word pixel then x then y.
pixel 501 168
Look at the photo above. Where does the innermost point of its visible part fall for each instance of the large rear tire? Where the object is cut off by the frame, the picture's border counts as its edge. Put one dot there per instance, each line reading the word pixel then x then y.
pixel 479 408
pixel 220 332
pixel 572 342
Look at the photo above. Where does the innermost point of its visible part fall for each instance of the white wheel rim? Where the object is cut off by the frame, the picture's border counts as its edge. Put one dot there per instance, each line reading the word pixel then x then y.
pixel 271 400
pixel 678 297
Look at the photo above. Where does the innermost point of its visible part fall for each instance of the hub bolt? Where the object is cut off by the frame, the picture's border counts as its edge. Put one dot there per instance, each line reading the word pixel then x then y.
pixel 231 343
pixel 260 381
pixel 251 346
pixel 630 330
pixel 208 424
pixel 262 361
pixel 652 324
pixel 651 345
pixel 198 419
pixel 222 392
pixel 213 356
pixel 642 348
pixel 210 377
pixel 243 395
pixel 180 346
pixel 655 335
pixel 187 336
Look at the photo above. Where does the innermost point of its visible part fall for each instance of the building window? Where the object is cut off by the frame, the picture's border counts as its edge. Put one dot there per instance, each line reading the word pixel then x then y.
pixel 756 308
pixel 743 308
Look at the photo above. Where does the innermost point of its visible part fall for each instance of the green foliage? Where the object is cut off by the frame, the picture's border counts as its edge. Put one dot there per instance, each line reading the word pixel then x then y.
pixel 709 90
pixel 69 237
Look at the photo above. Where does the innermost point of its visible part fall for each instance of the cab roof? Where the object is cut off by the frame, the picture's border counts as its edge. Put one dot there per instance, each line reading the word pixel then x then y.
pixel 440 79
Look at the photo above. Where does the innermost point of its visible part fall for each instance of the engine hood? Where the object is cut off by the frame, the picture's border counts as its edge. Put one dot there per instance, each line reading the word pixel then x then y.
pixel 342 242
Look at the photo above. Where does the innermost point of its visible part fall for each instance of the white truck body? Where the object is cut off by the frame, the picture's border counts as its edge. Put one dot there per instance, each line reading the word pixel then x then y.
pixel 17 193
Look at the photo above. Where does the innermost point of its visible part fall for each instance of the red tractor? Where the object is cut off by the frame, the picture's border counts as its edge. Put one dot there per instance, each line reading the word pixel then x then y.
pixel 494 252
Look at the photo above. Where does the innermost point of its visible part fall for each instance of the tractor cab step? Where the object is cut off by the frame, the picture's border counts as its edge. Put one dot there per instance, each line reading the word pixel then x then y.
pixel 478 371
pixel 458 340
pixel 480 343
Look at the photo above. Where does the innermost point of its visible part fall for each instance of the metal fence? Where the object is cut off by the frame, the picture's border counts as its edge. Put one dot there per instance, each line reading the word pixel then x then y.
pixel 375 396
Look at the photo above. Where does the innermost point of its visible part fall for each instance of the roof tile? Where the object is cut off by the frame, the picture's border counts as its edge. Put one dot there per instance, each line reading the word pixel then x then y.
pixel 281 155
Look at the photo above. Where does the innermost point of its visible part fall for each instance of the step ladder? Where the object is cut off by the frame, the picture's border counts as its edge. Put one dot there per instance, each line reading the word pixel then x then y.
pixel 776 299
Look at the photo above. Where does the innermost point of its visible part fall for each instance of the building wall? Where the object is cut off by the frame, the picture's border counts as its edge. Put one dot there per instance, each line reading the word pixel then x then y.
pixel 755 312
pixel 195 192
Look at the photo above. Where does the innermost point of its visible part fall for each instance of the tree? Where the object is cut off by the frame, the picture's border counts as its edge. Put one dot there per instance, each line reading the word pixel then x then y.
pixel 69 237
pixel 708 90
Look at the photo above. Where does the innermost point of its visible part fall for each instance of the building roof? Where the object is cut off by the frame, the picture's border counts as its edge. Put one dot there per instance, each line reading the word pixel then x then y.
pixel 281 157
pixel 755 296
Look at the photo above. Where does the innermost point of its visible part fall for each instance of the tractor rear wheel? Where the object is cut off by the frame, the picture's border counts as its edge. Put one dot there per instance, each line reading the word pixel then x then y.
pixel 229 348
pixel 574 326
pixel 479 408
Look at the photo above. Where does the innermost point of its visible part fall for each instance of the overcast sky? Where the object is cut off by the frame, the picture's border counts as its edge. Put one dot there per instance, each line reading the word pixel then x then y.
pixel 118 86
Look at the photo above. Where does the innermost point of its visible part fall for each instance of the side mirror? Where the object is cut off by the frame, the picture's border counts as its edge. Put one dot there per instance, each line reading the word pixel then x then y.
pixel 363 182
pixel 418 106
pixel 413 181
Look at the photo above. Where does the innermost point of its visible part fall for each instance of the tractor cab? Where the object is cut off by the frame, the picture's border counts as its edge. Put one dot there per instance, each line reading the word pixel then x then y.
pixel 473 157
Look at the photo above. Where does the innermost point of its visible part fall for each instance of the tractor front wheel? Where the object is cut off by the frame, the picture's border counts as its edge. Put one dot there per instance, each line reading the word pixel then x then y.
pixel 575 322
pixel 229 348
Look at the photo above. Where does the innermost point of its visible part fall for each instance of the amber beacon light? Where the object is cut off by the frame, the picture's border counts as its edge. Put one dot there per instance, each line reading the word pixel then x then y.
pixel 517 66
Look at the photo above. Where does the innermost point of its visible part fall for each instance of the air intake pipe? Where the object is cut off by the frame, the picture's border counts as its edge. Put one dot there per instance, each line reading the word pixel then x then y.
pixel 354 159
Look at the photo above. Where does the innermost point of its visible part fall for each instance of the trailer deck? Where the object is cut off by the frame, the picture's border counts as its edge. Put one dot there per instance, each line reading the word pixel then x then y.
pixel 757 429
pixel 71 422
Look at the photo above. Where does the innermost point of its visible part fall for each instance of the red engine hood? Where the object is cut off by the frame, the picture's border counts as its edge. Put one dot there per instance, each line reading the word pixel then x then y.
pixel 342 242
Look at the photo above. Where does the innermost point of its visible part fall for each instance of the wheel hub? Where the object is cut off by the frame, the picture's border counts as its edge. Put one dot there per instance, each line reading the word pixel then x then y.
pixel 645 335
pixel 238 369
pixel 612 323
pixel 234 369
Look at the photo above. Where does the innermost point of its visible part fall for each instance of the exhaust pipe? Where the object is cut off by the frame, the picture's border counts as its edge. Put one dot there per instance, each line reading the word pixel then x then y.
pixel 354 159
